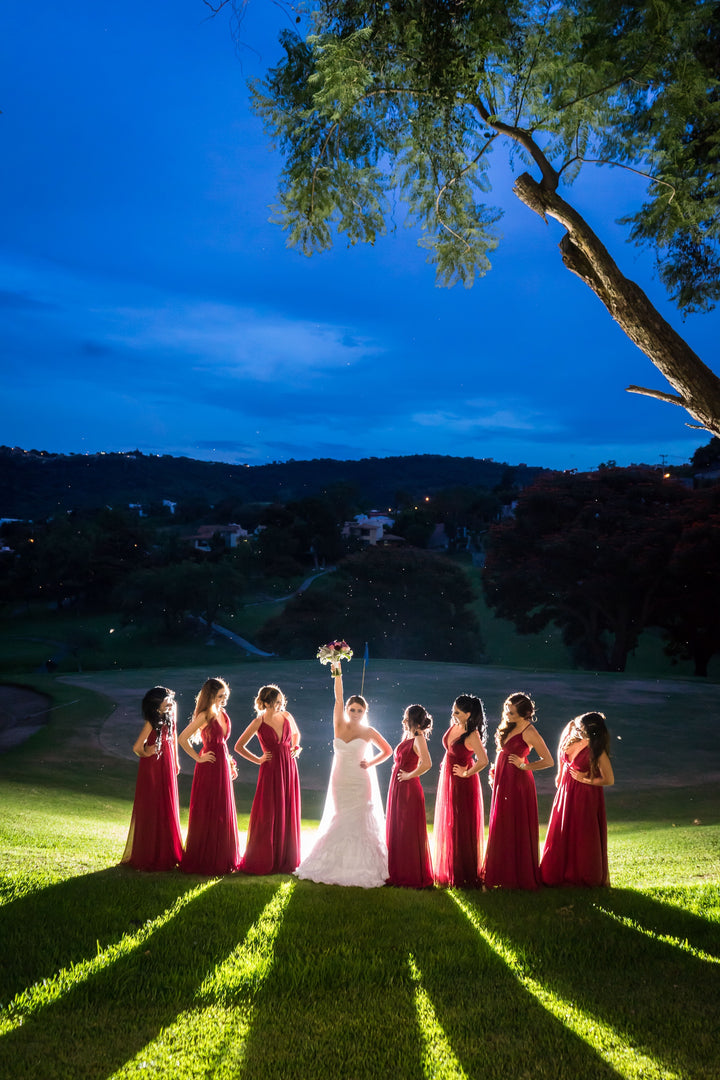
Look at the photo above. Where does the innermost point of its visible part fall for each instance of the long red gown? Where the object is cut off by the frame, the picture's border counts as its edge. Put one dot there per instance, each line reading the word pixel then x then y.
pixel 575 851
pixel 406 828
pixel 212 845
pixel 273 839
pixel 154 841
pixel 459 823
pixel 511 856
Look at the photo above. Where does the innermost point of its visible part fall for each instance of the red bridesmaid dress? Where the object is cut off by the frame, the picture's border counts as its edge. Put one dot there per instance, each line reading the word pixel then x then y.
pixel 511 858
pixel 212 846
pixel 458 819
pixel 575 851
pixel 406 828
pixel 273 839
pixel 154 841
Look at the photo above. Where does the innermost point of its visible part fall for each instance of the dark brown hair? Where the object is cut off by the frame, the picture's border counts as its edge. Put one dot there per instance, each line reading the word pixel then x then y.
pixel 592 726
pixel 469 703
pixel 525 707
pixel 416 718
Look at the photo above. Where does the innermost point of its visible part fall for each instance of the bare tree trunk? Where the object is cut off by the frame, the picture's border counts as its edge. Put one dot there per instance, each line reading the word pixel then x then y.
pixel 698 388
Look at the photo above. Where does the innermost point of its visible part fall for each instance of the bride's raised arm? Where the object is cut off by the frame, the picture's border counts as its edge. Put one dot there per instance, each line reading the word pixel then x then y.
pixel 339 710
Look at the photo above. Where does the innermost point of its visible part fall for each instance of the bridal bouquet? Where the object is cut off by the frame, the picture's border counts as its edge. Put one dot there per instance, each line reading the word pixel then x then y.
pixel 334 652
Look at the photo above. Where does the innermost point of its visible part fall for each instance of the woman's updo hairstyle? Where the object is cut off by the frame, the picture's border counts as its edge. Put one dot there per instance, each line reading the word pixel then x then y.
pixel 525 708
pixel 417 719
pixel 469 703
pixel 267 696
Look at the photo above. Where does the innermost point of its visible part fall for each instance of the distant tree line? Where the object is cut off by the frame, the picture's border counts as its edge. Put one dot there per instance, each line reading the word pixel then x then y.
pixel 35 484
pixel 602 555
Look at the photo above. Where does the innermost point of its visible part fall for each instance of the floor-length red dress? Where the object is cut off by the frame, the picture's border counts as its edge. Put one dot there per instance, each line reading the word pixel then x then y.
pixel 409 860
pixel 459 823
pixel 273 839
pixel 212 846
pixel 511 855
pixel 575 851
pixel 154 841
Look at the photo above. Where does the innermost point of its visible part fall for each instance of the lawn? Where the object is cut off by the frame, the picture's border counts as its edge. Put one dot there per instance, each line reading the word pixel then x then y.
pixel 107 973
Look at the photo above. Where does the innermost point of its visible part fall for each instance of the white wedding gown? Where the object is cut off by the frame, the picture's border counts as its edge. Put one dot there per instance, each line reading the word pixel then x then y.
pixel 350 847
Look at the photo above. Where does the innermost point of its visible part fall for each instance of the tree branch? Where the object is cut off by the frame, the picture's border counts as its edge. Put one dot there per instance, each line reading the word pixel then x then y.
pixel 673 399
pixel 698 388
pixel 550 177
pixel 618 165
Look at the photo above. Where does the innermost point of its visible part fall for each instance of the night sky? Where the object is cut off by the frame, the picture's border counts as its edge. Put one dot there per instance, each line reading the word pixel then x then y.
pixel 147 302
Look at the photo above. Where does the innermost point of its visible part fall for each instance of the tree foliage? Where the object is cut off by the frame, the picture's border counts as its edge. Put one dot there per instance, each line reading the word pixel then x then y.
pixel 686 607
pixel 409 98
pixel 589 552
pixel 406 604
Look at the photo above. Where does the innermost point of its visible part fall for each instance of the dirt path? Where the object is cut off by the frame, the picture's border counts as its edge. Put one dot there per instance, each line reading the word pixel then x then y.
pixel 22 713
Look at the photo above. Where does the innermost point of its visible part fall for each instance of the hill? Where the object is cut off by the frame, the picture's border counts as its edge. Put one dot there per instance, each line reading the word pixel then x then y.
pixel 36 484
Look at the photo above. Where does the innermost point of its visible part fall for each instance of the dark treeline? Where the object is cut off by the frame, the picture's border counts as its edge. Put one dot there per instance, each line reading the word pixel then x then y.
pixel 603 556
pixel 36 484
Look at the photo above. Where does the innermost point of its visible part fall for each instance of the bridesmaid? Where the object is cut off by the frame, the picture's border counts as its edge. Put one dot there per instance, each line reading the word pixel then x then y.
pixel 575 851
pixel 212 846
pixel 154 841
pixel 407 840
pixel 511 858
pixel 459 805
pixel 273 840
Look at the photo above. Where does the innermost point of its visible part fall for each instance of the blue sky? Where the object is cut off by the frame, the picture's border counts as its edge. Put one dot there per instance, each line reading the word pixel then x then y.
pixel 147 301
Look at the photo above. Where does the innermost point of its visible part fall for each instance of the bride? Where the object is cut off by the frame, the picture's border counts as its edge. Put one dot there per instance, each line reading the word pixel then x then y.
pixel 350 848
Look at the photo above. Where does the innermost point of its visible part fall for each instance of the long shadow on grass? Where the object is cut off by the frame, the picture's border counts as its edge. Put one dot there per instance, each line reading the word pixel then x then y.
pixel 656 995
pixel 100 1024
pixel 652 916
pixel 72 920
pixel 341 999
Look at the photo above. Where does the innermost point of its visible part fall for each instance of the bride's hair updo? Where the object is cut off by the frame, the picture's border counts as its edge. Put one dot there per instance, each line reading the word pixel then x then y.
pixel 268 696
pixel 356 699
pixel 417 719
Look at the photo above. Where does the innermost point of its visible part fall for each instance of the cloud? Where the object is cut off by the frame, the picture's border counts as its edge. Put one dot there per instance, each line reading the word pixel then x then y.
pixel 479 416
pixel 237 343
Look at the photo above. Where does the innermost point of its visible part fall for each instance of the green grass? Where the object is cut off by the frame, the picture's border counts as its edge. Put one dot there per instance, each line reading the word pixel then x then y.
pixel 105 973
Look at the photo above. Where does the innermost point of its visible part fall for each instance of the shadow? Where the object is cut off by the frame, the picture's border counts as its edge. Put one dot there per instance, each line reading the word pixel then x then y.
pixel 343 989
pixel 662 919
pixel 100 1024
pixel 339 988
pixel 655 996
pixel 42 932
pixel 497 1028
